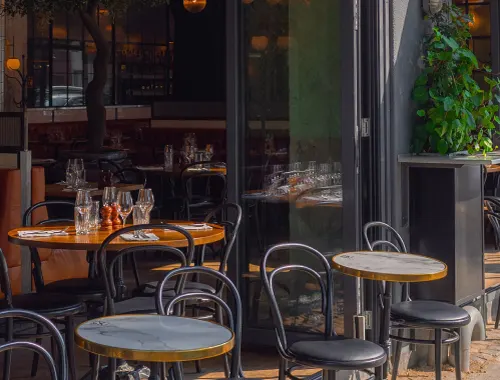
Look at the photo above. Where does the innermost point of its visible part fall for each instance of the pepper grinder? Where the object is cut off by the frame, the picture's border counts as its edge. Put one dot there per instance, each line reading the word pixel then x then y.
pixel 115 209
pixel 107 222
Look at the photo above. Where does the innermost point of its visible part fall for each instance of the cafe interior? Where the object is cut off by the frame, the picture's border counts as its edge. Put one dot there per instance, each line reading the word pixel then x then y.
pixel 208 161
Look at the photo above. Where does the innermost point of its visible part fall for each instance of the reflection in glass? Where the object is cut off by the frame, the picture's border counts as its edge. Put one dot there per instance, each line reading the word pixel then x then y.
pixel 292 158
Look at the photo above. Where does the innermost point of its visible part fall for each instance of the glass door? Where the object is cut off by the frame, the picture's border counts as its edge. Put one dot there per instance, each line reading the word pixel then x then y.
pixel 292 116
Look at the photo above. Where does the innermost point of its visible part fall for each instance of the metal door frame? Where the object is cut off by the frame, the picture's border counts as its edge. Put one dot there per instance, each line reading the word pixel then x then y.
pixel 350 121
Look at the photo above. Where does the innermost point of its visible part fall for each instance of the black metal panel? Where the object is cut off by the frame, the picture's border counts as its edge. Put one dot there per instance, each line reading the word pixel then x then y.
pixel 446 222
pixel 11 132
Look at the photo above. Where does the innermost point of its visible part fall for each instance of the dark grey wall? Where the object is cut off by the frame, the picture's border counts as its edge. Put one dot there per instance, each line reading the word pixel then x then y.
pixel 407 27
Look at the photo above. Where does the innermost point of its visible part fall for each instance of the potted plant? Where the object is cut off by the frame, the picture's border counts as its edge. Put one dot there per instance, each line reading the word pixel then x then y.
pixel 87 10
pixel 455 113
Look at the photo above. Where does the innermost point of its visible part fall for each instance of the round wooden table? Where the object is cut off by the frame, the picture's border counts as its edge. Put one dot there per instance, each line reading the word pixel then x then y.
pixel 154 338
pixel 93 241
pixel 390 267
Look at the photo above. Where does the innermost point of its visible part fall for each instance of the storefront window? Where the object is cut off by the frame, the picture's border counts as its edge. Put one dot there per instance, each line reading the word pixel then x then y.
pixel 293 175
pixel 61 55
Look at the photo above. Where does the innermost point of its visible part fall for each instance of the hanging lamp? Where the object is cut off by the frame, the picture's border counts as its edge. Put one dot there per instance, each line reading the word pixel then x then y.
pixel 194 6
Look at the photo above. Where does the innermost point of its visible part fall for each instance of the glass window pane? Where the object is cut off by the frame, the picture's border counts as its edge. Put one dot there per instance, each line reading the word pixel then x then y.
pixel 292 155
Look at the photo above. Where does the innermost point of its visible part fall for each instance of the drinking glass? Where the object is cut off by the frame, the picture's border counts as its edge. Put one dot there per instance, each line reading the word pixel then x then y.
pixel 168 158
pixel 146 200
pixel 125 205
pixel 94 215
pixel 83 204
pixel 109 196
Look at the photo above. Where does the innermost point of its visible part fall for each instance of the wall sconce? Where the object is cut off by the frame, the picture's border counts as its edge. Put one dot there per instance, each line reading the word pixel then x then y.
pixel 194 6
pixel 13 64
pixel 432 6
pixel 260 43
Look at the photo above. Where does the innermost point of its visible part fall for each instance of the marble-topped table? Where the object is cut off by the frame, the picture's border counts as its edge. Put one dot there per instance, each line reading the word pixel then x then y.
pixel 390 267
pixel 154 338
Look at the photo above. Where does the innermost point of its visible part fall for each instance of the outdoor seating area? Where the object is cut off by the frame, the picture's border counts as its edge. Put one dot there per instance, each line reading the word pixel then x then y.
pixel 153 294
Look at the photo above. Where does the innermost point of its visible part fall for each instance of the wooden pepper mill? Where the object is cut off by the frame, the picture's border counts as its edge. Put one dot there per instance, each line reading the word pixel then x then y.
pixel 115 216
pixel 107 222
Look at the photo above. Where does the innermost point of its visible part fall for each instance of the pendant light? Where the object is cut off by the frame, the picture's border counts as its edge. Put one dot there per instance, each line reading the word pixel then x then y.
pixel 194 6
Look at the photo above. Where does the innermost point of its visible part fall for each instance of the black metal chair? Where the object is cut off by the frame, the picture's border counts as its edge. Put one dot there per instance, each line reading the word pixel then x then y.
pixel 329 352
pixel 234 317
pixel 425 314
pixel 492 212
pixel 58 370
pixel 135 300
pixel 203 190
pixel 89 290
pixel 60 308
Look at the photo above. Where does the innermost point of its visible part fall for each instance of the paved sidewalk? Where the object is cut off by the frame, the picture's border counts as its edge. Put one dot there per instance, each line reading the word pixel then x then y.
pixel 485 362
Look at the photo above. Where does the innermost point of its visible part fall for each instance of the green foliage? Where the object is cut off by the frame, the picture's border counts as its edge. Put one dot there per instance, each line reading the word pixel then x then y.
pixel 454 112
pixel 49 7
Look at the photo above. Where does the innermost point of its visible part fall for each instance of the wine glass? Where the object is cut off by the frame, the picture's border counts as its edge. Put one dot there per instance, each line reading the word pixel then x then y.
pixel 109 196
pixel 83 204
pixel 125 205
pixel 209 152
pixel 146 199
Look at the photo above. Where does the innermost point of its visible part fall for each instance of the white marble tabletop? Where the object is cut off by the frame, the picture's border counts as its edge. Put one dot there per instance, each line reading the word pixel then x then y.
pixel 390 266
pixel 154 338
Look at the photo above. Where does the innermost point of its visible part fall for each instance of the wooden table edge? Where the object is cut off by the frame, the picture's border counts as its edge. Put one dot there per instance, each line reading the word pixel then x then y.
pixel 367 275
pixel 45 243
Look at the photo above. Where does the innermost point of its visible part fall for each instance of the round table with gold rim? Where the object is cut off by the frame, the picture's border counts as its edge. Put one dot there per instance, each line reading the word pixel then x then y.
pixel 390 267
pixel 154 338
pixel 93 241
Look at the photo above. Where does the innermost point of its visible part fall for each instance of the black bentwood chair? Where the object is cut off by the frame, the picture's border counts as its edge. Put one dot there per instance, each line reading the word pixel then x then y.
pixel 492 211
pixel 234 317
pixel 89 290
pixel 59 370
pixel 431 315
pixel 331 353
pixel 60 308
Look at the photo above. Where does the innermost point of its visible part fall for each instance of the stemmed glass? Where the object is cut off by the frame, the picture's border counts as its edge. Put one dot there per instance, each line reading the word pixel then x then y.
pixel 83 204
pixel 109 196
pixel 145 201
pixel 125 205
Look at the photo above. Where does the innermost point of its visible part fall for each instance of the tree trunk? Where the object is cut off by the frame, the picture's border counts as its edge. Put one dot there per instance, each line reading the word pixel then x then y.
pixel 96 112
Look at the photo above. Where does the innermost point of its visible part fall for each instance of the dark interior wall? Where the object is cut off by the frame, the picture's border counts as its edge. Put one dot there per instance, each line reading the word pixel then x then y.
pixel 199 53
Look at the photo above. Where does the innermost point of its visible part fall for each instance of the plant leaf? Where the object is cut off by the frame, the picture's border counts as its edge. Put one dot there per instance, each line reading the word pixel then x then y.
pixel 442 146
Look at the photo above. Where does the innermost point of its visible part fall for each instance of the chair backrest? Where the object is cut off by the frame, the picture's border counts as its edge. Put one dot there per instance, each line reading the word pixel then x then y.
pixel 228 215
pixel 58 371
pixel 326 287
pixel 398 246
pixel 234 316
pixel 111 293
pixel 492 211
pixel 5 286
pixel 131 176
pixel 27 221
pixel 210 179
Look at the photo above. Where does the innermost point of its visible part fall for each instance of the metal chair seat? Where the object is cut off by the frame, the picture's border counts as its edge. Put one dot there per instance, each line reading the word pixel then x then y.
pixel 190 286
pixel 431 314
pixel 49 305
pixel 84 288
pixel 338 354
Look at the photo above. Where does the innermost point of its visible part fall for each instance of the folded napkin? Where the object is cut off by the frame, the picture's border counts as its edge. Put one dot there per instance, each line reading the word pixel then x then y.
pixel 41 233
pixel 194 227
pixel 132 237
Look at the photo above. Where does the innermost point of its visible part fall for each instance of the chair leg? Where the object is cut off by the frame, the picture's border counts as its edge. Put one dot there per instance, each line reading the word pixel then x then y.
pixel 497 320
pixel 458 358
pixel 36 357
pixel 325 375
pixel 96 366
pixel 438 346
pixel 332 375
pixel 282 369
pixel 197 365
pixel 9 336
pixel 178 371
pixel 70 346
pixel 396 360
pixel 111 369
